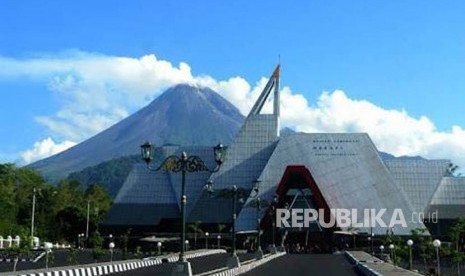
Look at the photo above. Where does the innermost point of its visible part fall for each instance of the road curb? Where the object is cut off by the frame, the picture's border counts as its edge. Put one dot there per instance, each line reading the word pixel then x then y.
pixel 107 268
pixel 250 266
pixel 362 268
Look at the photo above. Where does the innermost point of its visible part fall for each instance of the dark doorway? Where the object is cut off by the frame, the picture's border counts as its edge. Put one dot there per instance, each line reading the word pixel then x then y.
pixel 298 190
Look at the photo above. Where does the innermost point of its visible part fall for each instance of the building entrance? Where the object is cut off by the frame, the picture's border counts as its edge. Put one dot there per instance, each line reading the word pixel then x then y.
pixel 298 190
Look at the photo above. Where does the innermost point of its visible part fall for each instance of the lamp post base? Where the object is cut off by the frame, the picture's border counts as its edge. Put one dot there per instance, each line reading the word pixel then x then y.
pixel 182 268
pixel 259 254
pixel 233 262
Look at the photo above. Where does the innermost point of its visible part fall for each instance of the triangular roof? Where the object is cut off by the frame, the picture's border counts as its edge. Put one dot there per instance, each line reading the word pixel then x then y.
pixel 247 155
pixel 346 168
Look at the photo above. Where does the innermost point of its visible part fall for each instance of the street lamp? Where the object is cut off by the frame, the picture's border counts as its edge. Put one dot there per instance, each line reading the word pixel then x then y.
pixel 381 248
pixel 233 193
pixel 187 244
pixel 48 248
pixel 410 243
pixel 80 240
pixel 393 253
pixel 273 222
pixel 372 241
pixel 258 200
pixel 111 246
pixel 182 164
pixel 33 215
pixel 219 241
pixel 159 248
pixel 206 239
pixel 437 244
pixel 234 262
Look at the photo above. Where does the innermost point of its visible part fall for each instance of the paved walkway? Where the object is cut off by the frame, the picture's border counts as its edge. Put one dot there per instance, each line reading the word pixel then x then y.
pixel 373 266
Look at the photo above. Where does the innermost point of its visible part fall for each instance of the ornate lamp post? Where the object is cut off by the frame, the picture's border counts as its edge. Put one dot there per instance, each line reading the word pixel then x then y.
pixel 410 243
pixel 258 201
pixel 234 260
pixel 182 164
pixel 219 241
pixel 206 239
pixel 234 255
pixel 381 248
pixel 233 193
pixel 273 223
pixel 437 244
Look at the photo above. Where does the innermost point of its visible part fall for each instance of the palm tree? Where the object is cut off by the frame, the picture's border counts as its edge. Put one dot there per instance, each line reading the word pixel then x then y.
pixel 354 231
pixel 195 227
pixel 221 228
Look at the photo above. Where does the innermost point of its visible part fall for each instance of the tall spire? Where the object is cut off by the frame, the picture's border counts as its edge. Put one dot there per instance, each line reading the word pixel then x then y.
pixel 276 93
pixel 273 82
pixel 276 71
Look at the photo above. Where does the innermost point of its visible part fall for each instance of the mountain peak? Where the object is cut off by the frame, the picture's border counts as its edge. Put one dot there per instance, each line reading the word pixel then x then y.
pixel 184 114
pixel 186 90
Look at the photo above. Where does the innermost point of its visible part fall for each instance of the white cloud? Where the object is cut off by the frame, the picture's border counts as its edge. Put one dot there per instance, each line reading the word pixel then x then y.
pixel 45 148
pixel 393 131
pixel 105 89
pixel 95 88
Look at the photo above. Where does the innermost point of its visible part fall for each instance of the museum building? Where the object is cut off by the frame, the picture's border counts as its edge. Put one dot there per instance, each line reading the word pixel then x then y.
pixel 321 171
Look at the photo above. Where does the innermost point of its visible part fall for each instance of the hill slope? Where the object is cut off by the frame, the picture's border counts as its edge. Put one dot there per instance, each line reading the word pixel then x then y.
pixel 182 115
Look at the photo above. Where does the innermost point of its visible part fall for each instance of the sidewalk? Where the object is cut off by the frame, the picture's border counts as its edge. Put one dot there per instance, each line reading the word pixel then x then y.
pixel 369 265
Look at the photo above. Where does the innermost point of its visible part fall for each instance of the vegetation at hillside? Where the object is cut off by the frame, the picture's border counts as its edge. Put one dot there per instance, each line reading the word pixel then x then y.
pixel 60 211
pixel 111 174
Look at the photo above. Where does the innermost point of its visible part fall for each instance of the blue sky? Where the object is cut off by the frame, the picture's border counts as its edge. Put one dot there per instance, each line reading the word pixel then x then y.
pixel 401 60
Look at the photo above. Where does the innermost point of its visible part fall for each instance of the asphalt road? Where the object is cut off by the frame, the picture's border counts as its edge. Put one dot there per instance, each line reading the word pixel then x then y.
pixel 303 264
pixel 199 265
pixel 291 264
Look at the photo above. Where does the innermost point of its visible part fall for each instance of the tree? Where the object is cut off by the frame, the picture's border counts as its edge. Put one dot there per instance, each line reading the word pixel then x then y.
pixel 354 231
pixel 96 243
pixel 72 256
pixel 60 212
pixel 69 222
pixel 221 227
pixel 17 251
pixel 16 189
pixel 456 233
pixel 100 203
pixel 424 244
pixel 195 228
pixel 7 198
pixel 125 238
